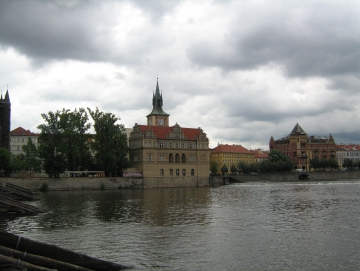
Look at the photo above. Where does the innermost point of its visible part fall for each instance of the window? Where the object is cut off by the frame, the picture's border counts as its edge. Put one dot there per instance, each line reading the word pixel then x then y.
pixel 18 139
pixel 184 172
pixel 192 158
pixel 171 172
pixel 183 145
pixel 177 172
pixel 161 172
pixel 177 158
pixel 171 145
pixel 150 157
pixel 161 145
pixel 171 158
pixel 183 158
pixel 192 172
pixel 162 157
pixel 176 145
pixel 23 140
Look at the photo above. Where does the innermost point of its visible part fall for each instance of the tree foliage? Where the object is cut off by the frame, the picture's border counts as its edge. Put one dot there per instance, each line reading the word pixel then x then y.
pixel 233 169
pixel 224 169
pixel 110 146
pixel 348 163
pixel 5 161
pixel 214 167
pixel 31 157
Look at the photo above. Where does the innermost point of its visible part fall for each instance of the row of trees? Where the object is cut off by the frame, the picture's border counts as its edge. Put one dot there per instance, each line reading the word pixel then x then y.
pixel 65 143
pixel 276 162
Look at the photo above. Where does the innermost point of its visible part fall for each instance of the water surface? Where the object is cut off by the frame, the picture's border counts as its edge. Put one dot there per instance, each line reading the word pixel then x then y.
pixel 255 226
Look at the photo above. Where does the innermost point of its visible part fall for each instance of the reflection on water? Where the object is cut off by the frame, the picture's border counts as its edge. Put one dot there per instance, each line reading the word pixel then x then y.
pixel 257 226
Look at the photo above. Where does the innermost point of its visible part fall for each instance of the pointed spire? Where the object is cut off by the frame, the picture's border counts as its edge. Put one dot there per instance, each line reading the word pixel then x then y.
pixel 157 101
pixel 298 130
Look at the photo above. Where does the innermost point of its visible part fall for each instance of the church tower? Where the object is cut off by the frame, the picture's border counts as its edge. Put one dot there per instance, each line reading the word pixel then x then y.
pixel 5 116
pixel 157 117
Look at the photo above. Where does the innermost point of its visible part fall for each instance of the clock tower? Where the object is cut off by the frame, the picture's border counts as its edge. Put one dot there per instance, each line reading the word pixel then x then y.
pixel 157 117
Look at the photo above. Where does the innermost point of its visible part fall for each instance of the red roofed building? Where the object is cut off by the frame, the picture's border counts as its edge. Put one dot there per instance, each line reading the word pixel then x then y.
pixel 229 155
pixel 162 151
pixel 20 137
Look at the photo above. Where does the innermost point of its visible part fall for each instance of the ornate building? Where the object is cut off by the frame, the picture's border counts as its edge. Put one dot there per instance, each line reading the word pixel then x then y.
pixel 5 119
pixel 300 147
pixel 162 151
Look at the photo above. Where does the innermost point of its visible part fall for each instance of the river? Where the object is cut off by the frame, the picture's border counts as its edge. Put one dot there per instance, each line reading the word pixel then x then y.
pixel 251 226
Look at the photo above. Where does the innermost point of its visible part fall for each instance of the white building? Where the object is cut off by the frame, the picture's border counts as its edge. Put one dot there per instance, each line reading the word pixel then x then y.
pixel 19 137
pixel 351 152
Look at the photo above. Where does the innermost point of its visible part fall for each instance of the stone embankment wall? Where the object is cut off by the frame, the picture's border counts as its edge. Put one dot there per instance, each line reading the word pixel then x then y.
pixel 85 183
pixel 294 176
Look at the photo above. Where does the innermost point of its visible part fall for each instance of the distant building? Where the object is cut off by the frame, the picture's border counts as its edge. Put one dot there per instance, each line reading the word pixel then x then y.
pixel 159 150
pixel 5 120
pixel 229 155
pixel 351 152
pixel 260 155
pixel 20 137
pixel 300 147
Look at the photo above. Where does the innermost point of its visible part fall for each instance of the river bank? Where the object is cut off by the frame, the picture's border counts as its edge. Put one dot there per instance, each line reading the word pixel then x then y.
pixel 104 183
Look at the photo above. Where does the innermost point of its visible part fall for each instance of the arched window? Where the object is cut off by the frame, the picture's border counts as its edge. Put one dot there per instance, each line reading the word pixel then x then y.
pixel 171 158
pixel 161 172
pixel 171 172
pixel 183 158
pixel 192 172
pixel 177 158
pixel 184 172
pixel 177 172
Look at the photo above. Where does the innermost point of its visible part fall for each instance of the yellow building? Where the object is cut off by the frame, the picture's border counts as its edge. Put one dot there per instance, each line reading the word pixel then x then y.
pixel 161 151
pixel 229 155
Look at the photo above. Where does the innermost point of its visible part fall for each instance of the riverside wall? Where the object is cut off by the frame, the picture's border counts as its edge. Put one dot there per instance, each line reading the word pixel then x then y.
pixel 86 183
pixel 294 176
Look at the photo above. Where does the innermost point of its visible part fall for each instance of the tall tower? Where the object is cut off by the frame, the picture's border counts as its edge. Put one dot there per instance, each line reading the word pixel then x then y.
pixel 5 116
pixel 157 117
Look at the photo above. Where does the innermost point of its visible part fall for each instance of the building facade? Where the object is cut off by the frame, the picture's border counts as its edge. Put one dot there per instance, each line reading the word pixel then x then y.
pixel 19 137
pixel 300 147
pixel 159 150
pixel 351 152
pixel 5 120
pixel 229 155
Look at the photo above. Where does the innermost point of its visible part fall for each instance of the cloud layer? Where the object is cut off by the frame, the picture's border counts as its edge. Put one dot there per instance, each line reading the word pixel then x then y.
pixel 242 70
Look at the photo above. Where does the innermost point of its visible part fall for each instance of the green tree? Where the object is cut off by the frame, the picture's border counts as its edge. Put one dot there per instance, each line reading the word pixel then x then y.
pixel 75 128
pixel 52 149
pixel 110 146
pixel 18 163
pixel 244 167
pixel 333 164
pixel 214 167
pixel 348 163
pixel 233 169
pixel 277 162
pixel 31 157
pixel 224 169
pixel 5 161
pixel 315 163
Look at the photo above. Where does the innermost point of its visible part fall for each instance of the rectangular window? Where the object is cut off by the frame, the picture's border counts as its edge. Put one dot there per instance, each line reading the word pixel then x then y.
pixel 150 157
pixel 162 157
pixel 161 145
pixel 192 158
pixel 183 145
pixel 23 140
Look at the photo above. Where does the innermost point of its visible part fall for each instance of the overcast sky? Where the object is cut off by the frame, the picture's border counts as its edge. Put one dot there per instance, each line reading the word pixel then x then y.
pixel 243 71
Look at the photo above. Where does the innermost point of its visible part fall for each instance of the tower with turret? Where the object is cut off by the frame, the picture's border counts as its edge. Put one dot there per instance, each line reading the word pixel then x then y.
pixel 5 117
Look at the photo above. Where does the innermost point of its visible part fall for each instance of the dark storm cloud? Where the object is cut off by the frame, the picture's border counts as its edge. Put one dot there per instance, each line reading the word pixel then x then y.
pixel 324 42
pixel 84 30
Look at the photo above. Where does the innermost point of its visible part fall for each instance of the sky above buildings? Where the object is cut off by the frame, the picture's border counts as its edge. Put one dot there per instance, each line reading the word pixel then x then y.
pixel 243 71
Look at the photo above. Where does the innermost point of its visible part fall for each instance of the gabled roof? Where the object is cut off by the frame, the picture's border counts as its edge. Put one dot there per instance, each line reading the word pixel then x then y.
pixel 298 129
pixel 163 132
pixel 22 132
pixel 230 148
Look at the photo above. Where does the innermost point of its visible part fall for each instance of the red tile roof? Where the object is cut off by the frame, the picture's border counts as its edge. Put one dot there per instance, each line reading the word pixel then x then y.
pixel 230 148
pixel 22 132
pixel 163 132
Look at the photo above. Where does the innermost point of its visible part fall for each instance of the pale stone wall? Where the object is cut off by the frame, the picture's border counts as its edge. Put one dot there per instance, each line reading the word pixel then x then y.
pixel 176 182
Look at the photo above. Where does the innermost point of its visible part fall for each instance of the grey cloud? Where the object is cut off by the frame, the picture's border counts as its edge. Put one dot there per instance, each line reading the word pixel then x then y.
pixel 322 43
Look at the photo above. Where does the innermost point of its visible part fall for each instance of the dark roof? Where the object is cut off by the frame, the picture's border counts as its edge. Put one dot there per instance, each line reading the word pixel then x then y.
pixel 297 129
pixel 157 103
